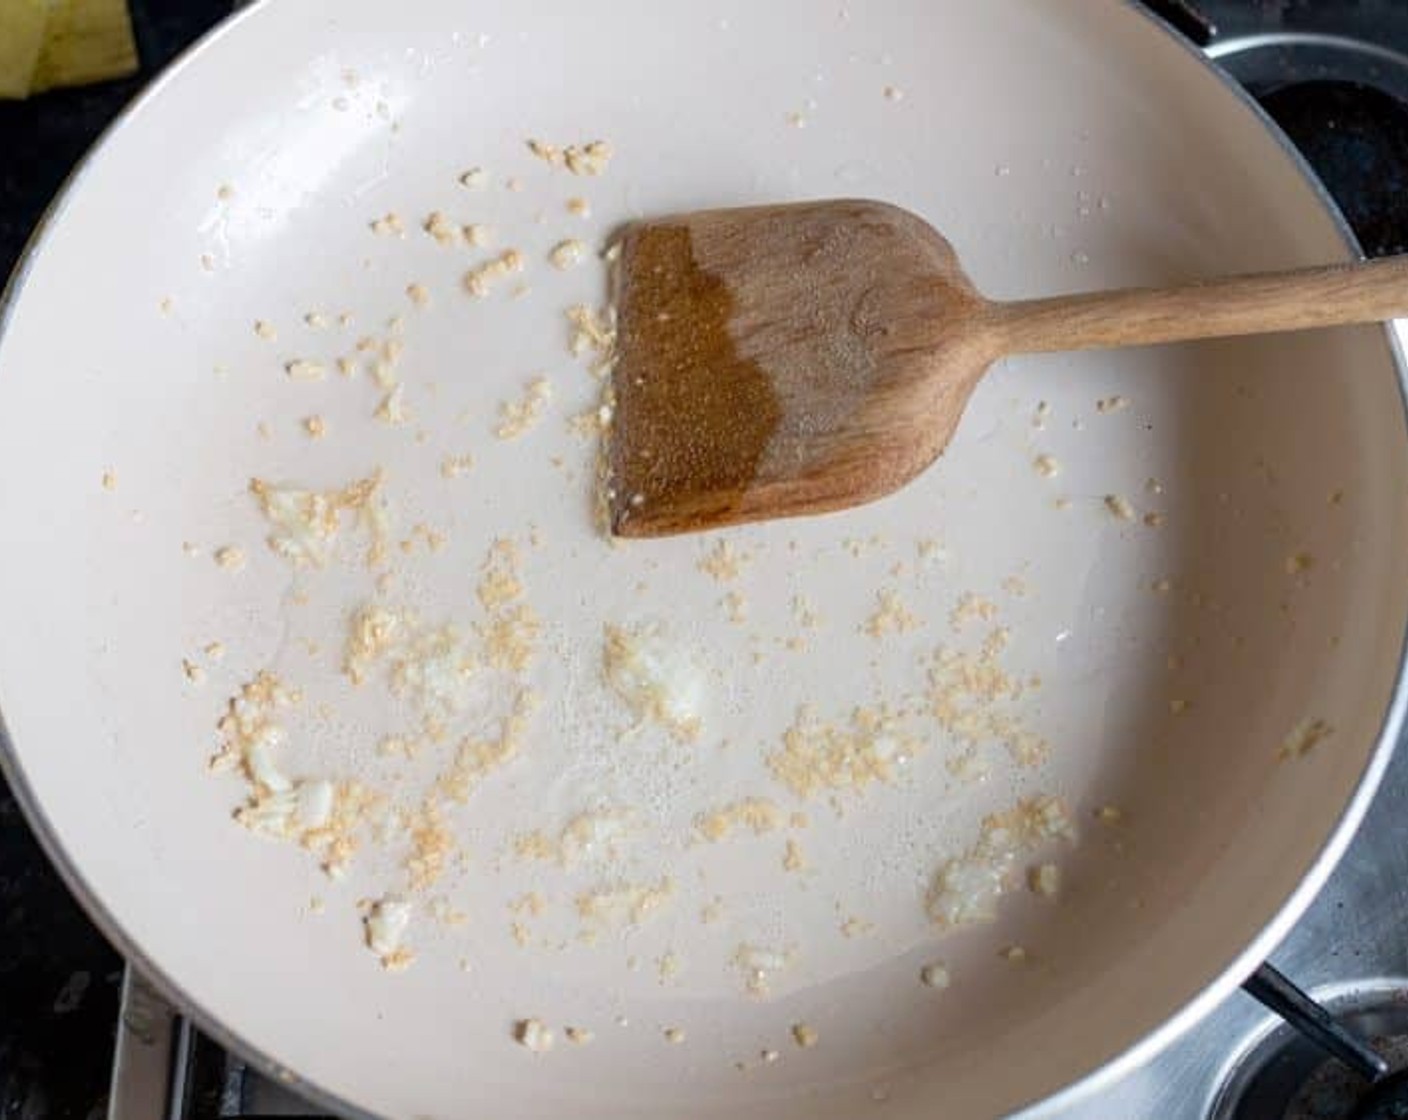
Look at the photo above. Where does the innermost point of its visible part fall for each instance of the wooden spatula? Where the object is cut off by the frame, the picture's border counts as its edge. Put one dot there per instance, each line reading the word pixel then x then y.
pixel 775 361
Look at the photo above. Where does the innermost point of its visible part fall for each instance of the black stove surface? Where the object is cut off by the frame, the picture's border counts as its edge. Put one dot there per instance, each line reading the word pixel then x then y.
pixel 58 977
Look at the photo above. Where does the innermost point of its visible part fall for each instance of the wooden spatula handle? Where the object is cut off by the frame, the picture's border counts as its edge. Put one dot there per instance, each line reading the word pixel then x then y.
pixel 1273 301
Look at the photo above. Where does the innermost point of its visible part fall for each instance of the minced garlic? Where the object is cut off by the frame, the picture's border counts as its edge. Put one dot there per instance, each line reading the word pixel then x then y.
pixel 230 557
pixel 1304 737
pixel 755 814
pixel 1119 507
pixel 386 925
pixel 441 228
pixel 658 681
pixel 585 159
pixel 1045 880
pixel 452 466
pixel 566 253
pixel 818 757
pixel 966 889
pixel 304 369
pixel 517 417
pixel 305 523
pixel 723 562
pixel 760 963
pixel 934 975
pixel 532 1035
pixel 623 905
pixel 890 616
pixel 388 225
pixel 479 281
pixel 595 333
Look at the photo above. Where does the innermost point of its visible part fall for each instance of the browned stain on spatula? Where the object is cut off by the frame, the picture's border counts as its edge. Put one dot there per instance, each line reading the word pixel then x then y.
pixel 701 416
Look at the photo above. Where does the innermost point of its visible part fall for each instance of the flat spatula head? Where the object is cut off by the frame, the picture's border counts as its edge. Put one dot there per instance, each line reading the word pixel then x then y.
pixel 775 361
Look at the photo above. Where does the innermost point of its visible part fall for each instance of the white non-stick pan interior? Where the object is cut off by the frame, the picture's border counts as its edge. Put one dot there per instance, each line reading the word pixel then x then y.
pixel 1202 580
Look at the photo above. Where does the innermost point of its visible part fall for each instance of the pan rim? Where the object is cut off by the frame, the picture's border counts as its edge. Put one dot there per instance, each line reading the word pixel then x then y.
pixel 1077 1091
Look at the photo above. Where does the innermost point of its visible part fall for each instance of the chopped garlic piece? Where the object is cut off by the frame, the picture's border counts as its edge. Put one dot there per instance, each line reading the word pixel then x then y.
pixel 760 964
pixel 934 975
pixel 625 904
pixel 303 369
pixel 305 522
pixel 1119 507
pixel 890 616
pixel 517 417
pixel 723 562
pixel 595 333
pixel 1304 737
pixel 533 1035
pixel 821 757
pixel 1045 880
pixel 392 409
pixel 452 466
pixel 804 1035
pixel 657 679
pixel 388 225
pixel 230 557
pixel 758 815
pixel 971 608
pixel 585 159
pixel 966 889
pixel 566 253
pixel 440 227
pixel 478 281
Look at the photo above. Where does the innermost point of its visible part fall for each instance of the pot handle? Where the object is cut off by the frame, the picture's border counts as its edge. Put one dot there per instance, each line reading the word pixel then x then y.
pixel 1277 994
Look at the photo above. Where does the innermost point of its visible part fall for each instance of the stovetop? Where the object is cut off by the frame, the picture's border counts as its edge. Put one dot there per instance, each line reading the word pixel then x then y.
pixel 1334 75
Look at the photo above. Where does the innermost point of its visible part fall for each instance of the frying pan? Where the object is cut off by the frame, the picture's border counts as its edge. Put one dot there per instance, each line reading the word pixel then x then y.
pixel 1220 678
